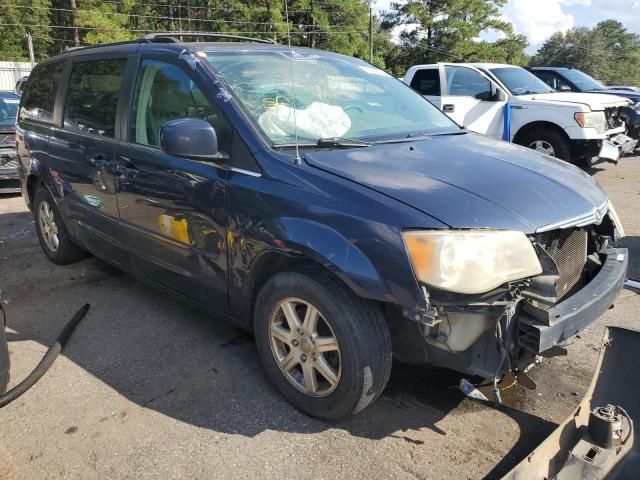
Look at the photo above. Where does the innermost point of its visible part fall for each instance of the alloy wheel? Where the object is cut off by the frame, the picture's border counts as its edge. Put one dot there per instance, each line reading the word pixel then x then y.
pixel 305 347
pixel 48 227
pixel 543 146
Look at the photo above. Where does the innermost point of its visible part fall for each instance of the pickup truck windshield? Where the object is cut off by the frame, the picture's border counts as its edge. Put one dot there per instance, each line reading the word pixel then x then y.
pixel 581 80
pixel 331 96
pixel 519 81
pixel 8 111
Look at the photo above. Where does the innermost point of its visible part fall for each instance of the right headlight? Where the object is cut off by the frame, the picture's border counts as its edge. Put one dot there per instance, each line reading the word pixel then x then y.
pixel 470 261
pixel 616 220
pixel 595 120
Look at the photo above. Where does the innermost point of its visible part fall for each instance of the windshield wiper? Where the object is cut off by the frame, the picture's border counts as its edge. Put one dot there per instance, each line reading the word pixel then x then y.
pixel 339 142
pixel 329 142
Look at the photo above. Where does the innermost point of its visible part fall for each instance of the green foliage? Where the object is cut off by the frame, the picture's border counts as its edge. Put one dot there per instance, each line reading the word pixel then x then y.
pixel 448 30
pixel 13 30
pixel 607 52
pixel 436 30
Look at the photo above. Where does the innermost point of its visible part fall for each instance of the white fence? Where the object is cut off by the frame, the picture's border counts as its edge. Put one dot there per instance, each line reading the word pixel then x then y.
pixel 11 72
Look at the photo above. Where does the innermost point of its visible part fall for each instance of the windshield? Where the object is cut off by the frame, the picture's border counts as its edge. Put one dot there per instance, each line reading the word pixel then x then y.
pixel 519 81
pixel 8 111
pixel 332 97
pixel 582 80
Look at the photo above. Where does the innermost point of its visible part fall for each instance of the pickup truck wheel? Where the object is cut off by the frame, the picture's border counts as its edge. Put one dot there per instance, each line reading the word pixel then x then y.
pixel 326 350
pixel 547 141
pixel 52 233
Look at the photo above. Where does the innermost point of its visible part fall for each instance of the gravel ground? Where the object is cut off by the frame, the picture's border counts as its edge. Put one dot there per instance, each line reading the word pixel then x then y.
pixel 149 387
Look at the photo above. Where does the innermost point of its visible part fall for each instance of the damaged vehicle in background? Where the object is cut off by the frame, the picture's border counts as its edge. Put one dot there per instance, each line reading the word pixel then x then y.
pixel 509 103
pixel 333 211
pixel 572 80
pixel 9 178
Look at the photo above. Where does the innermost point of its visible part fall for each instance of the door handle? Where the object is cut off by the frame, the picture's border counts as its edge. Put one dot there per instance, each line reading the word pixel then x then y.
pixel 449 107
pixel 99 161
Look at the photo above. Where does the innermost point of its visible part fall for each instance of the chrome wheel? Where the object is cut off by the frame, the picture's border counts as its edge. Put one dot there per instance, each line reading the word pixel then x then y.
pixel 543 146
pixel 305 347
pixel 48 227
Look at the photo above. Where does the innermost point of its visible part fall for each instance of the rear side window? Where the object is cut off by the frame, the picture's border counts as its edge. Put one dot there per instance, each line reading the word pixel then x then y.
pixel 40 93
pixel 165 92
pixel 92 96
pixel 546 77
pixel 427 82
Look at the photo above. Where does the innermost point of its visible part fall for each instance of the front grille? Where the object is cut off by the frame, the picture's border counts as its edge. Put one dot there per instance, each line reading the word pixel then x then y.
pixel 8 164
pixel 568 249
pixel 612 114
pixel 7 140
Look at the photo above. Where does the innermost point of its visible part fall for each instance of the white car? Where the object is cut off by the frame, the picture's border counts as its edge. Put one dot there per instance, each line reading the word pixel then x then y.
pixel 508 102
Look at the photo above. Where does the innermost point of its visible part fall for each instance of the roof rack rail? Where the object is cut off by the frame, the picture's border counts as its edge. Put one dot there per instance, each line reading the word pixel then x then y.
pixel 170 37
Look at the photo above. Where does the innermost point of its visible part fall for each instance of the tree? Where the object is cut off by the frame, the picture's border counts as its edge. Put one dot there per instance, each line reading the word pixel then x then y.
pixel 607 52
pixel 449 30
pixel 18 20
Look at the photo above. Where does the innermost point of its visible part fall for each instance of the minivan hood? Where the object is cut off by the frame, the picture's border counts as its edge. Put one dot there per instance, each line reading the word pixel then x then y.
pixel 470 181
pixel 595 101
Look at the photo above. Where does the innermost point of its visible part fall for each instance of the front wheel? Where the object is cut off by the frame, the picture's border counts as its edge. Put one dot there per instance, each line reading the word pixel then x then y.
pixel 326 350
pixel 547 141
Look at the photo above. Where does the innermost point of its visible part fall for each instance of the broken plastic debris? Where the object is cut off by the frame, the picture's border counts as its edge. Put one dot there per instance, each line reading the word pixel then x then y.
pixel 635 284
pixel 470 391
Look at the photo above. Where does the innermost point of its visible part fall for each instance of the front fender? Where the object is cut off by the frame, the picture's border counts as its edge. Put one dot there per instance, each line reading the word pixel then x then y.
pixel 340 255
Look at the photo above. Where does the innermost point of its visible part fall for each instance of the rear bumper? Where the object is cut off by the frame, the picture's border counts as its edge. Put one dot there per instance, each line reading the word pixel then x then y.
pixel 571 316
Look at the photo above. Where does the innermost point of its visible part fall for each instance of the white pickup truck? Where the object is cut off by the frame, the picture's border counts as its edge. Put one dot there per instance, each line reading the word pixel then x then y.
pixel 508 102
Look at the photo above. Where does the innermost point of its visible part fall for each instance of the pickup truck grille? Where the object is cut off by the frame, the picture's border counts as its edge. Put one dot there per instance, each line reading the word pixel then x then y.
pixel 568 249
pixel 612 114
pixel 10 164
pixel 7 139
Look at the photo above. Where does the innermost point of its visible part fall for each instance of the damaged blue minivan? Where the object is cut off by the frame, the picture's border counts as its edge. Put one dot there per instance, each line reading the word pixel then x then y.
pixel 318 202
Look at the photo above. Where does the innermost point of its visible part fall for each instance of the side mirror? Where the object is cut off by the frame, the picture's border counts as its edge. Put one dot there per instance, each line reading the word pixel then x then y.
pixel 190 138
pixel 500 96
pixel 564 88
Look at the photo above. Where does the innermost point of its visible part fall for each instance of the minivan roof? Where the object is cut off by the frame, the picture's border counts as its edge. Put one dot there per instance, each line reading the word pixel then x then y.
pixel 163 41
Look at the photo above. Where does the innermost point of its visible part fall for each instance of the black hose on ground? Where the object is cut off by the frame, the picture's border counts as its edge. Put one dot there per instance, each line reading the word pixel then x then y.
pixel 47 360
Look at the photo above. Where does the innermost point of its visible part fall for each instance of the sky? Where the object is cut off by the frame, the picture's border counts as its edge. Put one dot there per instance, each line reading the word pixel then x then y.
pixel 538 19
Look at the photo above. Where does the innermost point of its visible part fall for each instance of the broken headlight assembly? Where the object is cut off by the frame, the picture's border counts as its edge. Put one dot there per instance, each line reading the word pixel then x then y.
pixel 616 220
pixel 470 261
pixel 595 120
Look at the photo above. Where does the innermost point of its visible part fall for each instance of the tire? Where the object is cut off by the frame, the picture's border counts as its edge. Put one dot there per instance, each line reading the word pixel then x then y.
pixel 362 363
pixel 545 137
pixel 61 251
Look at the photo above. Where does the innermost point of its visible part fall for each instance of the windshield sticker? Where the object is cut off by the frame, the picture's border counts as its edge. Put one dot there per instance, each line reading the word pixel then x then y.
pixel 374 71
pixel 188 57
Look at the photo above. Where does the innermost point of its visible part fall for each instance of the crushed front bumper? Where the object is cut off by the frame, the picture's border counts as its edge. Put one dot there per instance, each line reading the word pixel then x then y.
pixel 540 331
pixel 616 147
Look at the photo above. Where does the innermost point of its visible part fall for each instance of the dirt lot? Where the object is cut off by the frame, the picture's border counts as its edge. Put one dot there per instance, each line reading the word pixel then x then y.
pixel 148 387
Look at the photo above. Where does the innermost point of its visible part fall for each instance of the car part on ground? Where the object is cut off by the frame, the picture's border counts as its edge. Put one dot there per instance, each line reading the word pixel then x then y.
pixel 46 362
pixel 598 440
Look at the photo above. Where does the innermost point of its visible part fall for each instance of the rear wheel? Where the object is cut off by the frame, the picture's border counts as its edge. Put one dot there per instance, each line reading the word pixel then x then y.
pixel 327 351
pixel 52 233
pixel 548 142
